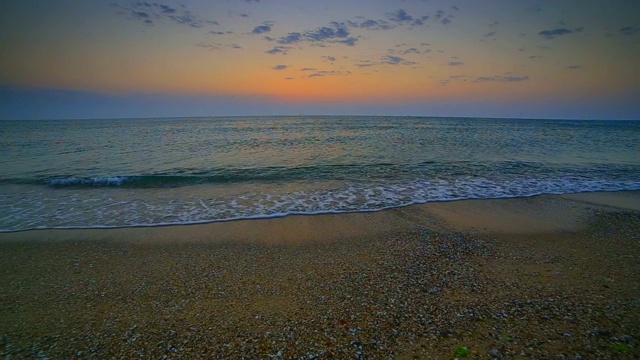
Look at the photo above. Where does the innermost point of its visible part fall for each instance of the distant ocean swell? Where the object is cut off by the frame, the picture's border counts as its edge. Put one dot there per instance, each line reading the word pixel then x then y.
pixel 341 172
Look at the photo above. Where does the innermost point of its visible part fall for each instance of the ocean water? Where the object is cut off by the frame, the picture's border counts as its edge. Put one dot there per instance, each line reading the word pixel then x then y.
pixel 148 172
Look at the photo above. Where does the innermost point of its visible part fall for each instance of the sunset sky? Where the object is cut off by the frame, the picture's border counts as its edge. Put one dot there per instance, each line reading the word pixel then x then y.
pixel 533 59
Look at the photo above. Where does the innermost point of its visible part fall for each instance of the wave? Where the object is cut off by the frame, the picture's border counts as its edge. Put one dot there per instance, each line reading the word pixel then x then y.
pixel 336 172
pixel 292 213
pixel 45 209
pixel 187 177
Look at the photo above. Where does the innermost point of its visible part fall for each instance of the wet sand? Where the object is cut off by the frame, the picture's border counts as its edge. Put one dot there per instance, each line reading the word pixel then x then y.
pixel 541 277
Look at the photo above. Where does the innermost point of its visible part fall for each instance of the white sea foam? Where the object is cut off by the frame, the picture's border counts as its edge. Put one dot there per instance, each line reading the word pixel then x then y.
pixel 92 181
pixel 105 208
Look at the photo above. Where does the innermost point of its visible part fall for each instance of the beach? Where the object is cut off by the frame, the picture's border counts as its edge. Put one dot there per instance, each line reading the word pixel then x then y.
pixel 552 276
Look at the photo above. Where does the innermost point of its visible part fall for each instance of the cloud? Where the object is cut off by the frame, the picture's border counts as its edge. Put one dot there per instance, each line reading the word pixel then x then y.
pixel 455 8
pixel 397 18
pixel 550 34
pixel 330 58
pixel 515 78
pixel 501 78
pixel 278 50
pixel 261 29
pixel 325 73
pixel 209 47
pixel 188 19
pixel 218 46
pixel 338 32
pixel 166 9
pixel 489 34
pixel 411 51
pixel 140 14
pixel 308 69
pixel 455 63
pixel 420 20
pixel 280 67
pixel 395 60
pixel 629 30
pixel 441 17
pixel 365 63
pixel 349 42
pixel 390 59
pixel 370 24
pixel 150 11
pixel 400 15
pixel 290 38
pixel 575 67
pixel 335 33
pixel 326 33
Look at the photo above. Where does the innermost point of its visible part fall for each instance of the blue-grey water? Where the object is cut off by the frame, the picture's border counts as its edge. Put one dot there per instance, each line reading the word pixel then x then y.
pixel 145 172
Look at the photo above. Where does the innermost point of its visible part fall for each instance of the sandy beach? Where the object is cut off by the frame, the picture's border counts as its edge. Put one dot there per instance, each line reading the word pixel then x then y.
pixel 546 277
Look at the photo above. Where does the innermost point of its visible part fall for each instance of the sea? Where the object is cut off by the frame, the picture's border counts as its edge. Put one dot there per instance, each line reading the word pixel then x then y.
pixel 65 174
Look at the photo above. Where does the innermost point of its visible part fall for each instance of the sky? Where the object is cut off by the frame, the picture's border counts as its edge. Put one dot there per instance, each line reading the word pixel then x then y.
pixel 565 59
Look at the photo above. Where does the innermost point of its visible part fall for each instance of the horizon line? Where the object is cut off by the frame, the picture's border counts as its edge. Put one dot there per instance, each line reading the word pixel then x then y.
pixel 322 115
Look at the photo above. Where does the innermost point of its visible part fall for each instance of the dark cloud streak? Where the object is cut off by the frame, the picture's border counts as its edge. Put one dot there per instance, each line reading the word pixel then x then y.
pixel 501 78
pixel 551 34
pixel 335 33
pixel 399 16
pixel 395 60
pixel 278 50
pixel 325 73
pixel 629 30
pixel 370 24
pixel 261 29
pixel 148 12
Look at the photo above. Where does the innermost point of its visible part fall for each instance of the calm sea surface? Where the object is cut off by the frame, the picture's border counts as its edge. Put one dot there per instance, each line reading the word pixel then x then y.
pixel 145 172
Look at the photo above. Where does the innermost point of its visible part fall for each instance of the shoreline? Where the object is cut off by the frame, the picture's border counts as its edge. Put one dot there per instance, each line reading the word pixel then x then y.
pixel 538 277
pixel 463 215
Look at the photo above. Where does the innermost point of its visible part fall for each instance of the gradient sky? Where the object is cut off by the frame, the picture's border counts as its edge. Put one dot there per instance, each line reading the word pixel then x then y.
pixel 533 59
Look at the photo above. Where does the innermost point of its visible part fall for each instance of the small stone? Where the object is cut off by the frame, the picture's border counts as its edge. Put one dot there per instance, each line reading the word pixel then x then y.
pixel 494 353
